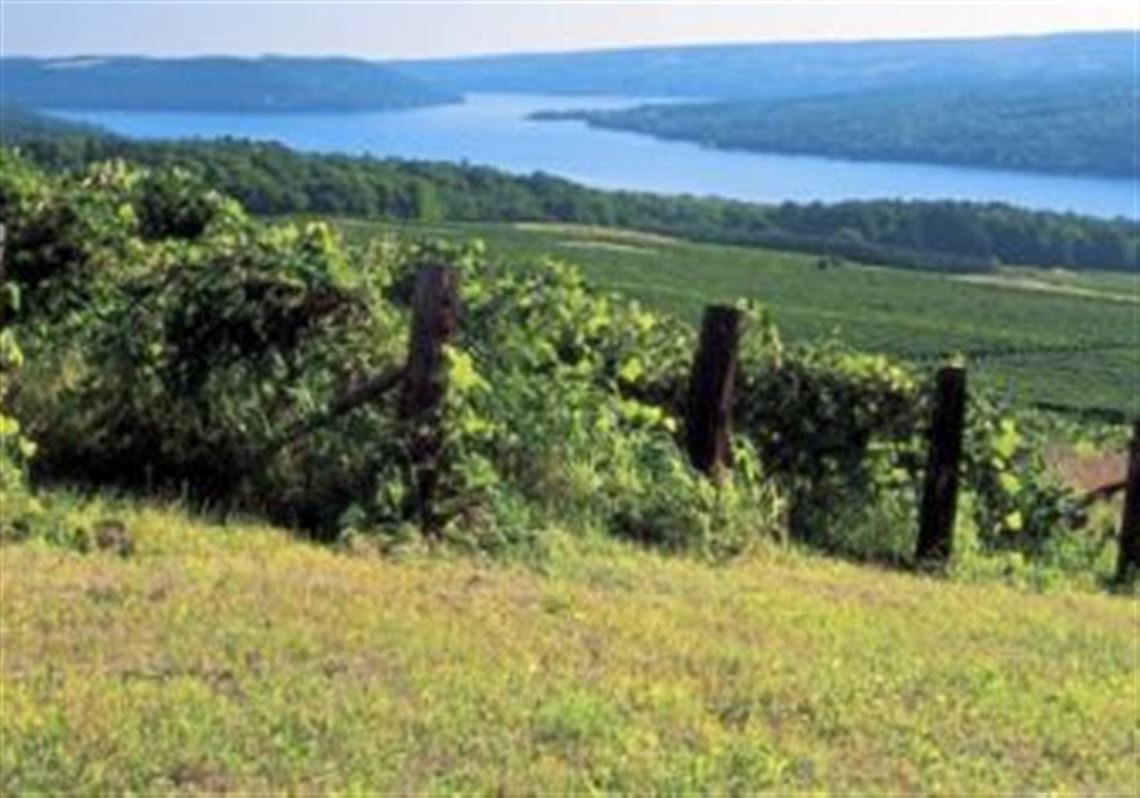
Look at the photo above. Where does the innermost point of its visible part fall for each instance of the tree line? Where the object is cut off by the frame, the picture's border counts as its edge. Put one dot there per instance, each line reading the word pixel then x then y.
pixel 769 70
pixel 1080 127
pixel 214 84
pixel 269 178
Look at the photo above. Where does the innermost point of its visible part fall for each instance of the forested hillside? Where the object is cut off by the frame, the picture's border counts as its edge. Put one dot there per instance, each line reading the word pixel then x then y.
pixel 795 69
pixel 213 84
pixel 1079 127
pixel 272 179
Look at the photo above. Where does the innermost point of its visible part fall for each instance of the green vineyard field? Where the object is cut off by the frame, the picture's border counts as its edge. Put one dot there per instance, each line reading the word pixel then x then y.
pixel 1042 337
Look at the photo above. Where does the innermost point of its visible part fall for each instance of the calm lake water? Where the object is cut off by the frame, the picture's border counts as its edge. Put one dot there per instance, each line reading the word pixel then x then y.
pixel 492 129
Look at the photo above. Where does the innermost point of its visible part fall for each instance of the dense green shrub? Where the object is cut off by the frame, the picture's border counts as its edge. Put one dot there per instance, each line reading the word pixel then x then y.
pixel 21 514
pixel 15 448
pixel 64 235
pixel 560 400
pixel 837 428
pixel 1019 505
pixel 182 362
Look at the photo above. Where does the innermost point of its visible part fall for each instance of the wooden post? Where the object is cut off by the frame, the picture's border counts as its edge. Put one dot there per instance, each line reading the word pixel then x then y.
pixel 1128 564
pixel 435 314
pixel 709 414
pixel 940 492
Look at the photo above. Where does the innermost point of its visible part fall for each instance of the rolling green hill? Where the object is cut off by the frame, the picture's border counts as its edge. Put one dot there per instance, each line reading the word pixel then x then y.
pixel 789 69
pixel 1045 336
pixel 1079 127
pixel 212 84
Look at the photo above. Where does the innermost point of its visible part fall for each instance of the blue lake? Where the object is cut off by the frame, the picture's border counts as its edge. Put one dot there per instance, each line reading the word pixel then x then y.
pixel 493 130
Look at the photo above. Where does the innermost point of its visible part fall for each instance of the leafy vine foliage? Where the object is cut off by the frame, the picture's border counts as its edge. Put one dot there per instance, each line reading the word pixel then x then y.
pixel 173 342
pixel 15 448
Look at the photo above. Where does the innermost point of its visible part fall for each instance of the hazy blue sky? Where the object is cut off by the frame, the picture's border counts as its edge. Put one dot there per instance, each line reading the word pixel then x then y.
pixel 402 29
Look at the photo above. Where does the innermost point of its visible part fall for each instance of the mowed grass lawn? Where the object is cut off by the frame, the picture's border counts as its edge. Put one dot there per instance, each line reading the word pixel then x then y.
pixel 237 658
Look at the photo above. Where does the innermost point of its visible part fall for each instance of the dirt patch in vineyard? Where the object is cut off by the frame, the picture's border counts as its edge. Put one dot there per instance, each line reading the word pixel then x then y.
pixel 607 246
pixel 596 232
pixel 1086 472
pixel 1029 284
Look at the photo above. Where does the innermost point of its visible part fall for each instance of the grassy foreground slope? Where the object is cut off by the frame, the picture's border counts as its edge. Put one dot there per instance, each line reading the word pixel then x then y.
pixel 1046 336
pixel 237 658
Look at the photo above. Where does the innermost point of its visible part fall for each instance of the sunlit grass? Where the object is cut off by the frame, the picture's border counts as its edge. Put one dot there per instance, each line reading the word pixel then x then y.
pixel 235 657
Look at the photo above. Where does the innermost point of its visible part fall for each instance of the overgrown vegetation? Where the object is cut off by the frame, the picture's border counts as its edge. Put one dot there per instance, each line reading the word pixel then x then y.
pixel 271 179
pixel 15 448
pixel 174 345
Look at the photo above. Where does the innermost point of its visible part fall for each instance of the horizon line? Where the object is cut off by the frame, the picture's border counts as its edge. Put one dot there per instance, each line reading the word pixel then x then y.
pixel 601 49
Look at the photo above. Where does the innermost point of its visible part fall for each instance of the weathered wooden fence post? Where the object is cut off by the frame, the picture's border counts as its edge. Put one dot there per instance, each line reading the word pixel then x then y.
pixel 940 491
pixel 709 413
pixel 435 315
pixel 1128 564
